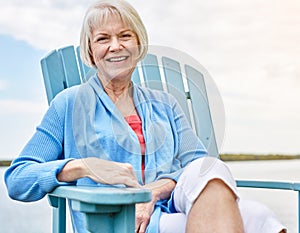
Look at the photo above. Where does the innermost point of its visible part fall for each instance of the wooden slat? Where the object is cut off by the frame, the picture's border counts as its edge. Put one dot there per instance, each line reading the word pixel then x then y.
pixel 84 69
pixel 70 66
pixel 174 82
pixel 136 77
pixel 54 77
pixel 151 72
pixel 202 116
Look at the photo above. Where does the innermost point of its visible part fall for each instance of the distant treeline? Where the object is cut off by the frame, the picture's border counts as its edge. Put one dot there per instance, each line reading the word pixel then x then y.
pixel 5 163
pixel 247 157
pixel 224 157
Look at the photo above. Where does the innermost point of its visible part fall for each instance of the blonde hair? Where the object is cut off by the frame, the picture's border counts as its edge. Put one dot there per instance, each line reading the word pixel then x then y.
pixel 99 13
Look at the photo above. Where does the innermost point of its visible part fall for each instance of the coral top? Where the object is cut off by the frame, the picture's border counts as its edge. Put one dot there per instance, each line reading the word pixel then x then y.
pixel 135 123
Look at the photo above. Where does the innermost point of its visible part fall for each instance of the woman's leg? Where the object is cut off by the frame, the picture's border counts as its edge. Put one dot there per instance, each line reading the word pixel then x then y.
pixel 206 193
pixel 215 210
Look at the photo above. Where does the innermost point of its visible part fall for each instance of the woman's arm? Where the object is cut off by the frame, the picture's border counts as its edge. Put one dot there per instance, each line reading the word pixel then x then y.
pixel 161 189
pixel 99 170
pixel 33 174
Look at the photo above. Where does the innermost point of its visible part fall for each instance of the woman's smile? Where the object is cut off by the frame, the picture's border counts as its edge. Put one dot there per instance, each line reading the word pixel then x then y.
pixel 117 59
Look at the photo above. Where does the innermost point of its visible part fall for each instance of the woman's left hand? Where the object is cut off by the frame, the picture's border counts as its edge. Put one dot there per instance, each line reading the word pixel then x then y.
pixel 161 189
pixel 143 213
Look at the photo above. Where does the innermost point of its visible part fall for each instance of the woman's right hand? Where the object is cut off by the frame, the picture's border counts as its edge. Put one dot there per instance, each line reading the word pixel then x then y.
pixel 99 170
pixel 109 172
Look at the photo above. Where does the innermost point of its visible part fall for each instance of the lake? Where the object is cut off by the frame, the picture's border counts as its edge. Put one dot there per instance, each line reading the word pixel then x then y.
pixel 35 217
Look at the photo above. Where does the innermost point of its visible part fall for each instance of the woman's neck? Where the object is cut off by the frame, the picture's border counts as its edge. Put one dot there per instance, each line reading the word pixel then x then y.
pixel 120 92
pixel 117 89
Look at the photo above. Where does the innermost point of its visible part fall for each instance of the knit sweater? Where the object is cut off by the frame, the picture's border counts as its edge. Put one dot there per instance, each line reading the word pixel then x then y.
pixel 82 121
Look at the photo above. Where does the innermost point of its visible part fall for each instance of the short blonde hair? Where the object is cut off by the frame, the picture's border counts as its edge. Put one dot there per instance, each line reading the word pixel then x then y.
pixel 99 13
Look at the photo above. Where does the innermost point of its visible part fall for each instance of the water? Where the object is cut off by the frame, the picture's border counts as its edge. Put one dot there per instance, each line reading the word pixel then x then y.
pixel 282 202
pixel 35 217
pixel 16 217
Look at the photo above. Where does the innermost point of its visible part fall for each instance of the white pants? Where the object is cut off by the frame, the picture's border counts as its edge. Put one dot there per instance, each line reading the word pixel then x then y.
pixel 257 218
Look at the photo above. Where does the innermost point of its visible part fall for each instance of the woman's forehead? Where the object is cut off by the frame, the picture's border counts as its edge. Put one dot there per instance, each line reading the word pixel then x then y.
pixel 107 17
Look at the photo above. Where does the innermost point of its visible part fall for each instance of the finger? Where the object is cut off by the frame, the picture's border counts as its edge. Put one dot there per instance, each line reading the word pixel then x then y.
pixel 138 222
pixel 143 227
pixel 131 179
pixel 137 225
pixel 130 170
pixel 131 182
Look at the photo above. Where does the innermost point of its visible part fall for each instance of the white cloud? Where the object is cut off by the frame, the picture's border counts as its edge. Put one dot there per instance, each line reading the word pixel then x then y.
pixel 3 84
pixel 43 24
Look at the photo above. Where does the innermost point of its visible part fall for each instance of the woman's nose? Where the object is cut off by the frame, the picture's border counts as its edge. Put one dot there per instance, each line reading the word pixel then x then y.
pixel 115 44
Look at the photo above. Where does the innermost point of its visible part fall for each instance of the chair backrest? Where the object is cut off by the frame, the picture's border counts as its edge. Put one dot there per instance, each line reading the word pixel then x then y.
pixel 163 68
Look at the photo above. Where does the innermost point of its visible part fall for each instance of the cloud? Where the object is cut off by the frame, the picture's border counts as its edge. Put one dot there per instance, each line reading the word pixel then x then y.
pixel 3 85
pixel 218 26
pixel 43 24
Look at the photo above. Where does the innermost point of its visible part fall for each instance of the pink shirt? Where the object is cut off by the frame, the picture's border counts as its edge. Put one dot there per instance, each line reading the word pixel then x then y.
pixel 135 123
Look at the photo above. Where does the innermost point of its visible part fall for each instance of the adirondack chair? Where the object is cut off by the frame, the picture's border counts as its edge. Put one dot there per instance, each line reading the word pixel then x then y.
pixel 163 69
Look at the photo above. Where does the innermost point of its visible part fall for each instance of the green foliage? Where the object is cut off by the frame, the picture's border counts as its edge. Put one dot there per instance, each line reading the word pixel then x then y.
pixel 246 157
pixel 5 163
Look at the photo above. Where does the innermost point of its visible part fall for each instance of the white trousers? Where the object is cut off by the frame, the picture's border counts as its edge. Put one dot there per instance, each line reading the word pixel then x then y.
pixel 257 218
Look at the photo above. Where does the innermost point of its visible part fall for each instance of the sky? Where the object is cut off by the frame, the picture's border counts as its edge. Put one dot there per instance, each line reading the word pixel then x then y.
pixel 250 48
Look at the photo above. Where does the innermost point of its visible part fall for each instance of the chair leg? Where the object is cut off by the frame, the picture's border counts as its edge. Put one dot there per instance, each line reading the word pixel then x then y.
pixel 58 214
pixel 117 221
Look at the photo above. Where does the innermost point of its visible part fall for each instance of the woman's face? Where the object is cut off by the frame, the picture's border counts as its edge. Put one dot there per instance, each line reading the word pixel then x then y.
pixel 115 49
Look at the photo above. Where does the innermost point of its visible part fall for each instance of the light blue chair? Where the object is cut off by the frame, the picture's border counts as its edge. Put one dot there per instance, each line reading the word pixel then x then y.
pixel 163 69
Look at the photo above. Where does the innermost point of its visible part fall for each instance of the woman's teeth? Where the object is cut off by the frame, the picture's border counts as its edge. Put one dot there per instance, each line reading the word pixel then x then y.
pixel 117 59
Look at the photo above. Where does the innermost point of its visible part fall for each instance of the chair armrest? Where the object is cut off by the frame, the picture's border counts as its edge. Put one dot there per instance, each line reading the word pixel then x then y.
pixel 267 184
pixel 103 195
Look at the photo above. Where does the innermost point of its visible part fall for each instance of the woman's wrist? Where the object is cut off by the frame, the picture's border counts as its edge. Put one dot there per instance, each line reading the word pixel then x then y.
pixel 161 189
pixel 155 196
pixel 73 170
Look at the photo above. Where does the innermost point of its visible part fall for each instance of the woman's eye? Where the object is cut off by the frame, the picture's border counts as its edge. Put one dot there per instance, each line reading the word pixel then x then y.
pixel 102 39
pixel 126 36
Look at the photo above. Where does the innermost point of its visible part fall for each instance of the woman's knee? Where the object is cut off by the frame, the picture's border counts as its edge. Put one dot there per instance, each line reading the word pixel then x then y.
pixel 195 178
pixel 217 187
pixel 203 170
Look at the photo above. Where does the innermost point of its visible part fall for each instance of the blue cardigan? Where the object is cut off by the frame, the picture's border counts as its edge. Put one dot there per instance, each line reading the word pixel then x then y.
pixel 82 121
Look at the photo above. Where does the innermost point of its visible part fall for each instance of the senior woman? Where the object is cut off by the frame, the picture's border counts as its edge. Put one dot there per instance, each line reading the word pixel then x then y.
pixel 110 131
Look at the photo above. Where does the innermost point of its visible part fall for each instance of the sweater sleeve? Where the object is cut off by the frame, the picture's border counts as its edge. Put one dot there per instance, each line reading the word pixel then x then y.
pixel 188 146
pixel 33 174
